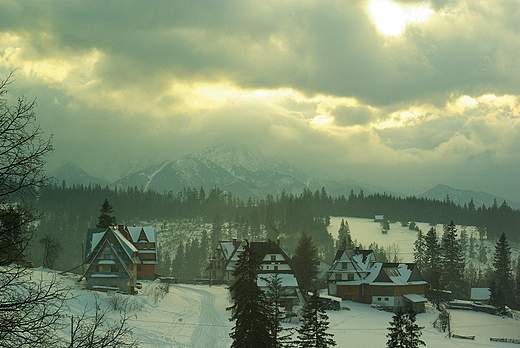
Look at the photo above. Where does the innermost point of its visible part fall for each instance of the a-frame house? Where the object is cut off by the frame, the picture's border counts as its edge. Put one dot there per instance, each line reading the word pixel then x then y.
pixel 111 261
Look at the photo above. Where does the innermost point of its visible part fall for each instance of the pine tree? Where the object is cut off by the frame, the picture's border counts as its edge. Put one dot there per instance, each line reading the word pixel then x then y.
pixel 250 310
pixel 432 259
pixel 397 335
pixel 413 332
pixel 105 219
pixel 275 294
pixel 452 260
pixel 306 263
pixel 419 251
pixel 216 231
pixel 502 278
pixel 179 264
pixel 344 238
pixel 404 332
pixel 313 331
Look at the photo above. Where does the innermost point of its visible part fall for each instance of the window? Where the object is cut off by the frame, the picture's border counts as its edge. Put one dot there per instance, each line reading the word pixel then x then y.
pixel 351 276
pixel 344 265
pixel 338 276
pixel 114 268
pixel 386 298
pixel 276 268
pixel 273 257
pixel 379 298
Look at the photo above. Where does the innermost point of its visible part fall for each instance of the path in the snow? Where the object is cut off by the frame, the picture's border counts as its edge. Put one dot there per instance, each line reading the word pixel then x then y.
pixel 189 316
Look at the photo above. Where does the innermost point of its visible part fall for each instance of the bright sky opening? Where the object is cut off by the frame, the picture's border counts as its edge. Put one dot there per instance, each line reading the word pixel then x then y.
pixel 391 19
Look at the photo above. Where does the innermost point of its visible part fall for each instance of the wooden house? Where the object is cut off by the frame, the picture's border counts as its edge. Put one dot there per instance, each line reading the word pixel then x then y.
pixel 355 275
pixel 273 261
pixel 111 261
pixel 118 256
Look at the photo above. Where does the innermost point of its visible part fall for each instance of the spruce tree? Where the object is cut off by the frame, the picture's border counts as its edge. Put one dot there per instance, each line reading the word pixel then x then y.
pixel 432 259
pixel 250 310
pixel 502 278
pixel 419 251
pixel 452 260
pixel 313 331
pixel 413 331
pixel 397 335
pixel 275 295
pixel 404 332
pixel 105 219
pixel 344 238
pixel 306 263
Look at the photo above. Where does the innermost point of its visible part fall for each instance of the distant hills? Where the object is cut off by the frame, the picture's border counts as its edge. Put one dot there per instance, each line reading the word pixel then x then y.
pixel 246 172
pixel 440 192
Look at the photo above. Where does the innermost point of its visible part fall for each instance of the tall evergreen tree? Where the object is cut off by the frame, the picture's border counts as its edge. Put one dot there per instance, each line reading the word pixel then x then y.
pixel 419 250
pixel 502 284
pixel 344 238
pixel 105 218
pixel 179 264
pixel 404 332
pixel 275 294
pixel 452 260
pixel 313 331
pixel 432 259
pixel 216 231
pixel 306 263
pixel 250 310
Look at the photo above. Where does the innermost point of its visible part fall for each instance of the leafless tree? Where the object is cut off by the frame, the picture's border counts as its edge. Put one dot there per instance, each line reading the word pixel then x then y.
pixel 97 331
pixel 52 250
pixel 31 310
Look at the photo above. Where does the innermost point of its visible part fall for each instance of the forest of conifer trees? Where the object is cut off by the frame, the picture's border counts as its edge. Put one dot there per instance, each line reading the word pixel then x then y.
pixel 69 211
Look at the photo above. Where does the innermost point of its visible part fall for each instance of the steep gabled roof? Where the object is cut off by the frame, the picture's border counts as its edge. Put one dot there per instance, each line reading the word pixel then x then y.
pixel 136 232
pixel 106 243
pixel 395 274
pixel 98 236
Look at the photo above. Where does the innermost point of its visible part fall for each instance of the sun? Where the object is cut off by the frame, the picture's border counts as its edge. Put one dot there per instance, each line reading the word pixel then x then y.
pixel 391 19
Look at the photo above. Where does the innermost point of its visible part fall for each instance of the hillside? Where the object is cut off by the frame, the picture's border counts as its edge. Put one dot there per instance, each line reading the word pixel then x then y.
pixel 195 316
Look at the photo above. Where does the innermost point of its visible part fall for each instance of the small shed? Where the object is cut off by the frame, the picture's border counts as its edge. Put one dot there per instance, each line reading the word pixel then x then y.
pixel 415 302
pixel 379 218
pixel 481 295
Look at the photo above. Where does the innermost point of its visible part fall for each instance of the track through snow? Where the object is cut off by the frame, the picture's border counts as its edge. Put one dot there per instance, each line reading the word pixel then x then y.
pixel 188 316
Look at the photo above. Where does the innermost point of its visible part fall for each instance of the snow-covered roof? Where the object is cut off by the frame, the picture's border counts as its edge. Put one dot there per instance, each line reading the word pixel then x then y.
pixel 415 298
pixel 96 237
pixel 150 233
pixel 227 249
pixel 128 247
pixel 480 294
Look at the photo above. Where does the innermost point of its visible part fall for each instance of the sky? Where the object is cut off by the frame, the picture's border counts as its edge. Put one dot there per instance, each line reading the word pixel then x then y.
pixel 403 95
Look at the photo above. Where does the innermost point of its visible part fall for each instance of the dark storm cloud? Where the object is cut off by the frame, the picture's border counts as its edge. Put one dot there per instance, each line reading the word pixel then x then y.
pixel 317 47
pixel 176 76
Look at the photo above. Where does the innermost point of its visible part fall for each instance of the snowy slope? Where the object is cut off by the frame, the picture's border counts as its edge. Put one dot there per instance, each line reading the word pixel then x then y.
pixel 195 316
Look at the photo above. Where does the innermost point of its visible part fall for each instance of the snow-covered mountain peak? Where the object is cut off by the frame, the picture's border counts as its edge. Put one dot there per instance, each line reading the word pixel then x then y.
pixel 232 154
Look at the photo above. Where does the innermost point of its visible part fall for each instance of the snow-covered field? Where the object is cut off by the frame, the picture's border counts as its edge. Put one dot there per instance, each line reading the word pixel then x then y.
pixel 195 316
pixel 366 231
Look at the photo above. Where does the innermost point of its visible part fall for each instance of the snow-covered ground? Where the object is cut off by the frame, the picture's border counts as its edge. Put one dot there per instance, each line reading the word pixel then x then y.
pixel 366 231
pixel 195 316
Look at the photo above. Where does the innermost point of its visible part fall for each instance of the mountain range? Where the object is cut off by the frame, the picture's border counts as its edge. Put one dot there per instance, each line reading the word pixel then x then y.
pixel 246 172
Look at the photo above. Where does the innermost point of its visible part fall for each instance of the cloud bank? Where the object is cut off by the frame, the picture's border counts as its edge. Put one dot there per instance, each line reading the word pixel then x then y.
pixel 130 83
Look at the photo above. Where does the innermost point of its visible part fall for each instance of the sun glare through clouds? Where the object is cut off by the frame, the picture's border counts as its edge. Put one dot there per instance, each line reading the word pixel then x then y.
pixel 391 19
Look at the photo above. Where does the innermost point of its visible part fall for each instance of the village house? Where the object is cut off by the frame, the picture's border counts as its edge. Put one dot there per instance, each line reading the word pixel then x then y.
pixel 273 260
pixel 118 256
pixel 355 275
